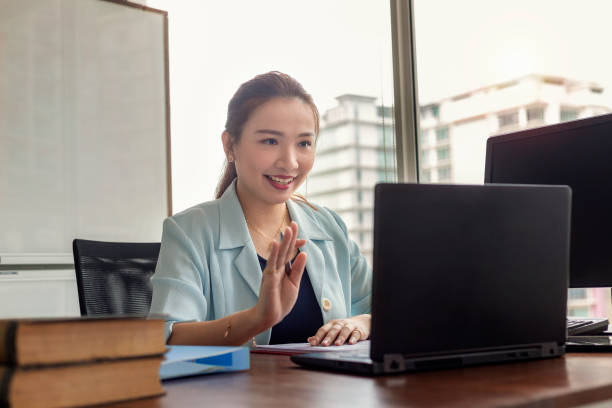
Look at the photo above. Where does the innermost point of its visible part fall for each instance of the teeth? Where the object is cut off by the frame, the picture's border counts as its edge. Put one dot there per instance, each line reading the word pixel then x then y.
pixel 280 180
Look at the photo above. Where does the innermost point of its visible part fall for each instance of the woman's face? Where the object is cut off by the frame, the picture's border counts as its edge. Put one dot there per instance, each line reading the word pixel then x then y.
pixel 275 151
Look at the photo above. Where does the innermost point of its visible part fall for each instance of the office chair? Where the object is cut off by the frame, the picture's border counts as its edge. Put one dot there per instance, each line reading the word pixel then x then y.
pixel 114 278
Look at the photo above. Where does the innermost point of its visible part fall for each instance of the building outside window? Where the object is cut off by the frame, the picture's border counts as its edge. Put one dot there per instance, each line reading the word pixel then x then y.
pixel 535 113
pixel 342 57
pixel 488 89
pixel 339 150
pixel 435 111
pixel 441 134
pixel 444 174
pixel 530 81
pixel 568 114
pixel 425 157
pixel 443 153
pixel 508 119
pixel 424 138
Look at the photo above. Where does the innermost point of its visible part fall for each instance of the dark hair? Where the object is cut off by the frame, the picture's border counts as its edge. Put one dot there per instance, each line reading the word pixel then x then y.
pixel 250 96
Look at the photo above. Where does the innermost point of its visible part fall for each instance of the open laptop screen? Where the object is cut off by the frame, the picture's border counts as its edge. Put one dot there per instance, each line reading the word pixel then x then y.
pixel 468 267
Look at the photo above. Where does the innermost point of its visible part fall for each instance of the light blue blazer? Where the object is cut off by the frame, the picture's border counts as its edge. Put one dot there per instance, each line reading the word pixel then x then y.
pixel 208 266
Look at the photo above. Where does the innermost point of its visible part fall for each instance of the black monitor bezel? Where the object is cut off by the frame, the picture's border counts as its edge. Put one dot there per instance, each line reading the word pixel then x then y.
pixel 543 131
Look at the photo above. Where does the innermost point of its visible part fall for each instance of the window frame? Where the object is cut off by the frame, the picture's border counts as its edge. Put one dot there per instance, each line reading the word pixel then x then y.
pixel 404 90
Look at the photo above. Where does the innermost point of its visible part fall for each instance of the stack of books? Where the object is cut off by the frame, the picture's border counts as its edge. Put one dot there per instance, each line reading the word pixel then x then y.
pixel 79 361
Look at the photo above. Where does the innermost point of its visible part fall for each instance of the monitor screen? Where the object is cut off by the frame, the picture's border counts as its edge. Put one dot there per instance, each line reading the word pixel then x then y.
pixel 578 154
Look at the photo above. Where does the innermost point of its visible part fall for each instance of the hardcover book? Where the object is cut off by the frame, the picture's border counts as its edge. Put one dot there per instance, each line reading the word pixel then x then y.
pixel 27 342
pixel 71 385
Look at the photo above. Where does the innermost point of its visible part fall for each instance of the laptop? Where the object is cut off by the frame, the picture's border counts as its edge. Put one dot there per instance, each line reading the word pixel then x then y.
pixel 463 275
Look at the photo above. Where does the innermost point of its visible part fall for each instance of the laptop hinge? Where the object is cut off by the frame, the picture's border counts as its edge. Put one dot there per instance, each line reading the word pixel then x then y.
pixel 393 363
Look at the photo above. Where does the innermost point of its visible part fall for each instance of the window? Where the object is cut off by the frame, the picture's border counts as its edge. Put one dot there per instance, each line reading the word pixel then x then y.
pixel 444 174
pixel 382 176
pixel 442 153
pixel 385 111
pixel 579 312
pixel 535 114
pixel 508 119
pixel 568 114
pixel 431 111
pixel 442 134
pixel 596 89
pixel 425 157
pixel 387 133
pixel 386 159
pixel 435 111
pixel 577 293
pixel 425 176
pixel 534 79
pixel 343 59
pixel 424 138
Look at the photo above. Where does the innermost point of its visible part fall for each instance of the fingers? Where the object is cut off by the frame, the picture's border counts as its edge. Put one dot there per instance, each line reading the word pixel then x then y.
pixel 345 332
pixel 328 333
pixel 332 334
pixel 297 269
pixel 356 335
pixel 274 249
pixel 297 242
pixel 320 334
pixel 281 254
pixel 337 332
pixel 286 244
pixel 294 231
pixel 294 241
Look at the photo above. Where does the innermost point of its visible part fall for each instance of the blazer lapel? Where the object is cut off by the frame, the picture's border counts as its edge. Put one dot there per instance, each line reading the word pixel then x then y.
pixel 249 270
pixel 233 233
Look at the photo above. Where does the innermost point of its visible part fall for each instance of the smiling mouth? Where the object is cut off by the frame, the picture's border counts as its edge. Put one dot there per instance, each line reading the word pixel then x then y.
pixel 280 180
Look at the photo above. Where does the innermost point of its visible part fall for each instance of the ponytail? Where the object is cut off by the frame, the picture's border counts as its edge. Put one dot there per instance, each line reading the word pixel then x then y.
pixel 229 174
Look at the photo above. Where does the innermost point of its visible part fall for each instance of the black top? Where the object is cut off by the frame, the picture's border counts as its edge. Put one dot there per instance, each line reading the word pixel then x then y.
pixel 303 320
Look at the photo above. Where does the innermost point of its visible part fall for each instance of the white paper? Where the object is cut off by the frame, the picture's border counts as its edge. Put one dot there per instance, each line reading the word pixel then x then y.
pixel 307 348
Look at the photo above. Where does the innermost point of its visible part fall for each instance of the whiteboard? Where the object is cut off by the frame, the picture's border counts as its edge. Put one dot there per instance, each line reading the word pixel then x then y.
pixel 84 125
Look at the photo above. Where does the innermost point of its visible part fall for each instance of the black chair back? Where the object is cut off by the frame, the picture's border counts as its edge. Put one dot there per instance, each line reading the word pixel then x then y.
pixel 114 278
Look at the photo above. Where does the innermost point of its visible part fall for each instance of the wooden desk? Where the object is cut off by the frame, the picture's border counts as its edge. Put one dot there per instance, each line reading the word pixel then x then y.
pixel 275 381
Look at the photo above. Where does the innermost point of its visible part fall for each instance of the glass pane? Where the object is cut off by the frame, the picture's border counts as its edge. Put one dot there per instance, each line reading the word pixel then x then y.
pixel 341 53
pixel 486 68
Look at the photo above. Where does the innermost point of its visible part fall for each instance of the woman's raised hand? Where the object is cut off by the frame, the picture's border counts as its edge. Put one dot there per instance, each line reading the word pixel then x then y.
pixel 280 282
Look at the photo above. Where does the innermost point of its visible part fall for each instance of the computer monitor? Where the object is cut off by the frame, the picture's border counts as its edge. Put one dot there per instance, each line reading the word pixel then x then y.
pixel 578 154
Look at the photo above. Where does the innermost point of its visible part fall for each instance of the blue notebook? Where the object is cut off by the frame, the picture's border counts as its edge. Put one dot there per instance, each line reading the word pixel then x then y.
pixel 184 361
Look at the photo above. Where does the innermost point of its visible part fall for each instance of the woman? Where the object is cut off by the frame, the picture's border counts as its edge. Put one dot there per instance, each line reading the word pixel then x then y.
pixel 231 270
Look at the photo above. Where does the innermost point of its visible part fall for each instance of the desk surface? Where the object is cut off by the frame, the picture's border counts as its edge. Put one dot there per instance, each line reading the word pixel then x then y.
pixel 275 381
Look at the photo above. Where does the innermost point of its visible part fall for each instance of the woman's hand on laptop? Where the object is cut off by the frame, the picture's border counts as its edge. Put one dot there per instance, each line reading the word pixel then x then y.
pixel 339 331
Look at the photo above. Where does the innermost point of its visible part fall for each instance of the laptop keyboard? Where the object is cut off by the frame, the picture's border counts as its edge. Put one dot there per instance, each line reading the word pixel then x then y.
pixel 586 326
